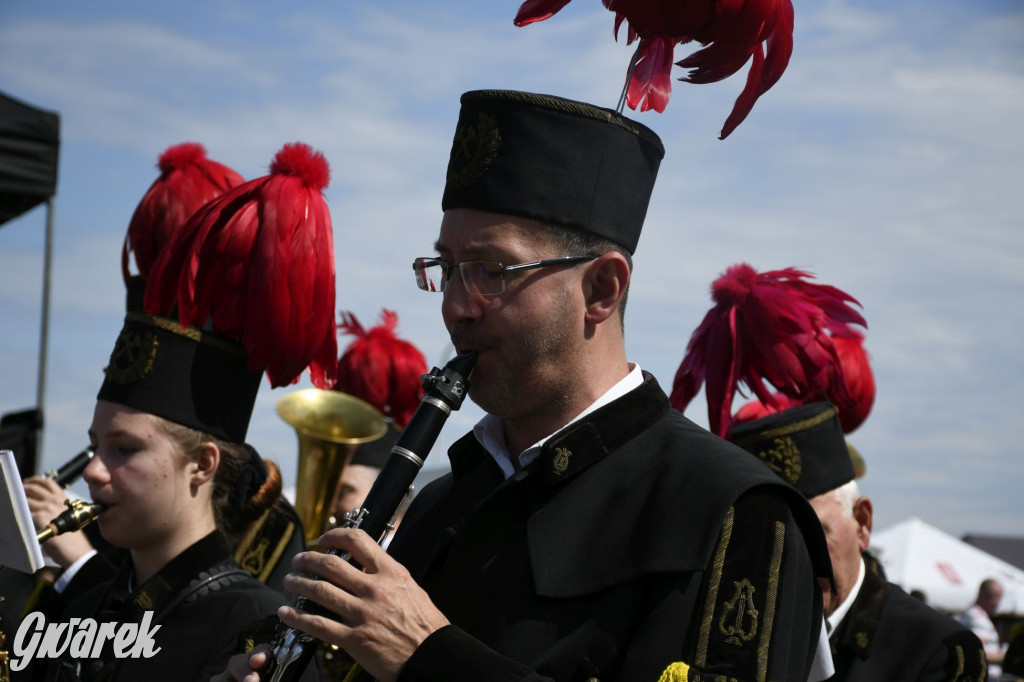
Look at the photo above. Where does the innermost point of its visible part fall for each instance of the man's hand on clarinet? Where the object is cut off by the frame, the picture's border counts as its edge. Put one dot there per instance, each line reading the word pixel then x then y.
pixel 384 615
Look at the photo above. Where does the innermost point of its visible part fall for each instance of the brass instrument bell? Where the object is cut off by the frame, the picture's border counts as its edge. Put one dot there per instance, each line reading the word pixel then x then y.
pixel 330 426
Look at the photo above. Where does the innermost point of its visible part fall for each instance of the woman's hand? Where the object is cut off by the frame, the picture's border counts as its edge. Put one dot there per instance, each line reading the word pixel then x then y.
pixel 46 501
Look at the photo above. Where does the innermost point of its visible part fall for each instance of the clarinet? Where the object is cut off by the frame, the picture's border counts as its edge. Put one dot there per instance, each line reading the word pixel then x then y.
pixel 79 513
pixel 68 472
pixel 445 391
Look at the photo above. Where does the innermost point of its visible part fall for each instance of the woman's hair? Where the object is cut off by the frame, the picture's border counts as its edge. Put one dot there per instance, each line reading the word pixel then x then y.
pixel 233 515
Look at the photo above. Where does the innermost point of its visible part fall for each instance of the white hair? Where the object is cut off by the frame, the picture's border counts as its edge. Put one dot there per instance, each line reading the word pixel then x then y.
pixel 846 495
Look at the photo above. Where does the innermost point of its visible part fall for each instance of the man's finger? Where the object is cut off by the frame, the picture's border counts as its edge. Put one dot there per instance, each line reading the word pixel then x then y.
pixel 358 544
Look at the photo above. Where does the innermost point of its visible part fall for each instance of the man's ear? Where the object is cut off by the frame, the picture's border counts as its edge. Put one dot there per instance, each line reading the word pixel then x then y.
pixel 863 512
pixel 604 285
pixel 205 463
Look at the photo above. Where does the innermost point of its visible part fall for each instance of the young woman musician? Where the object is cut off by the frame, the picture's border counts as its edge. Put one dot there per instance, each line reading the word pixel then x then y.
pixel 179 484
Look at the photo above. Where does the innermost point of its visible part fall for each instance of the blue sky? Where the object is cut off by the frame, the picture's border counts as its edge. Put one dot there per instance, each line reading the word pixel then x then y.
pixel 887 161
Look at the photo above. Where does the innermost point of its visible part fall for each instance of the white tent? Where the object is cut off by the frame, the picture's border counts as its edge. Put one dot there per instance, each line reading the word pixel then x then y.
pixel 917 556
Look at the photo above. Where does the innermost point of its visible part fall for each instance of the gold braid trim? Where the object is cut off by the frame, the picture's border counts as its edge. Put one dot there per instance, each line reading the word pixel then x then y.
pixel 275 556
pixel 675 672
pixel 716 578
pixel 796 427
pixel 558 104
pixel 260 567
pixel 773 594
pixel 188 332
pixel 959 662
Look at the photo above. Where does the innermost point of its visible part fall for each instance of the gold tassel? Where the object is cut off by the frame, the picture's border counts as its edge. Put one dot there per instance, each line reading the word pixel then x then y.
pixel 675 672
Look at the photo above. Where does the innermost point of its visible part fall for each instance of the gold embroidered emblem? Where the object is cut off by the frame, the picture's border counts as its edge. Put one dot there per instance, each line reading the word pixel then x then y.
pixel 144 601
pixel 249 646
pixel 561 462
pixel 133 356
pixel 741 612
pixel 473 150
pixel 784 459
pixel 862 640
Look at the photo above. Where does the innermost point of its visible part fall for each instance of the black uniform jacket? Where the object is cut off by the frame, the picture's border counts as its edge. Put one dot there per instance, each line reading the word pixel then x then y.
pixel 637 546
pixel 889 636
pixel 208 608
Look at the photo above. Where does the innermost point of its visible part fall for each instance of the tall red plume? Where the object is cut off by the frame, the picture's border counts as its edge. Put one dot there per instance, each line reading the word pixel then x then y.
pixel 188 179
pixel 381 368
pixel 733 31
pixel 258 262
pixel 772 327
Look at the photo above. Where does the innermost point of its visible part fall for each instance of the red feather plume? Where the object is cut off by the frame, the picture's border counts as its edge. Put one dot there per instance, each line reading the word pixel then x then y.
pixel 858 382
pixel 381 368
pixel 773 327
pixel 258 262
pixel 188 179
pixel 732 31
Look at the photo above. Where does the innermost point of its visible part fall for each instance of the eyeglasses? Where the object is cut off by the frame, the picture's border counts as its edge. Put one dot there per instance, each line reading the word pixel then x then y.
pixel 483 277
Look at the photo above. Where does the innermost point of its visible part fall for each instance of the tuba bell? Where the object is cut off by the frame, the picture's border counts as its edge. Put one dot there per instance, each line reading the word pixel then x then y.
pixel 330 426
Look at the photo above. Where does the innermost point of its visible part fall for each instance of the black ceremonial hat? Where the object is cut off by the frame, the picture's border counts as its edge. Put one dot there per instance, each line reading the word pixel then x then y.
pixel 804 445
pixel 553 160
pixel 376 452
pixel 191 377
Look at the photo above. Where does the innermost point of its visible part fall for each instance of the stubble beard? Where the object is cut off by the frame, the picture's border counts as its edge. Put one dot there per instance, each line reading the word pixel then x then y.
pixel 532 373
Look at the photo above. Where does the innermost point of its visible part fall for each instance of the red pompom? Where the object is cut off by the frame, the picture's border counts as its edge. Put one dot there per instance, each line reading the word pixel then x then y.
pixel 303 162
pixel 381 368
pixel 188 180
pixel 258 262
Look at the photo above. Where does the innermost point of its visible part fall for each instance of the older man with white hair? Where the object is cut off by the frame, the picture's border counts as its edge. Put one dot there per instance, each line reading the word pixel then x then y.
pixel 877 631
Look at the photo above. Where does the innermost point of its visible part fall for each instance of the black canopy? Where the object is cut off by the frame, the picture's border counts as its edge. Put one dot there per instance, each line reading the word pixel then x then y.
pixel 29 145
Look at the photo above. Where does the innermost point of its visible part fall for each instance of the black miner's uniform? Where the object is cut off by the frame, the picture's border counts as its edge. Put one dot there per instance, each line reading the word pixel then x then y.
pixel 889 636
pixel 636 544
pixel 208 607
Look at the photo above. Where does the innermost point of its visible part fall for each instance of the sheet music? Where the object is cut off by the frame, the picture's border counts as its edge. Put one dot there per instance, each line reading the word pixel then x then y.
pixel 19 548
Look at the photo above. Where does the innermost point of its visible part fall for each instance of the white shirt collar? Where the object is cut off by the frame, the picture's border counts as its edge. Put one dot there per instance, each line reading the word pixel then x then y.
pixel 837 616
pixel 490 432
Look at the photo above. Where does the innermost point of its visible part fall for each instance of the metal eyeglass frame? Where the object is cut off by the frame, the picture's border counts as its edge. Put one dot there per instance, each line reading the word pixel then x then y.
pixel 497 274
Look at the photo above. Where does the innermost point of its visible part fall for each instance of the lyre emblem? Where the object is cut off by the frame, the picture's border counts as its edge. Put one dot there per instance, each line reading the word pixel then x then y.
pixel 255 557
pixel 741 612
pixel 560 464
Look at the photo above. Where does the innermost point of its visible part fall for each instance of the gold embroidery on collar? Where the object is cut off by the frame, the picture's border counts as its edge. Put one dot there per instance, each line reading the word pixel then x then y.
pixel 144 601
pixel 560 464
